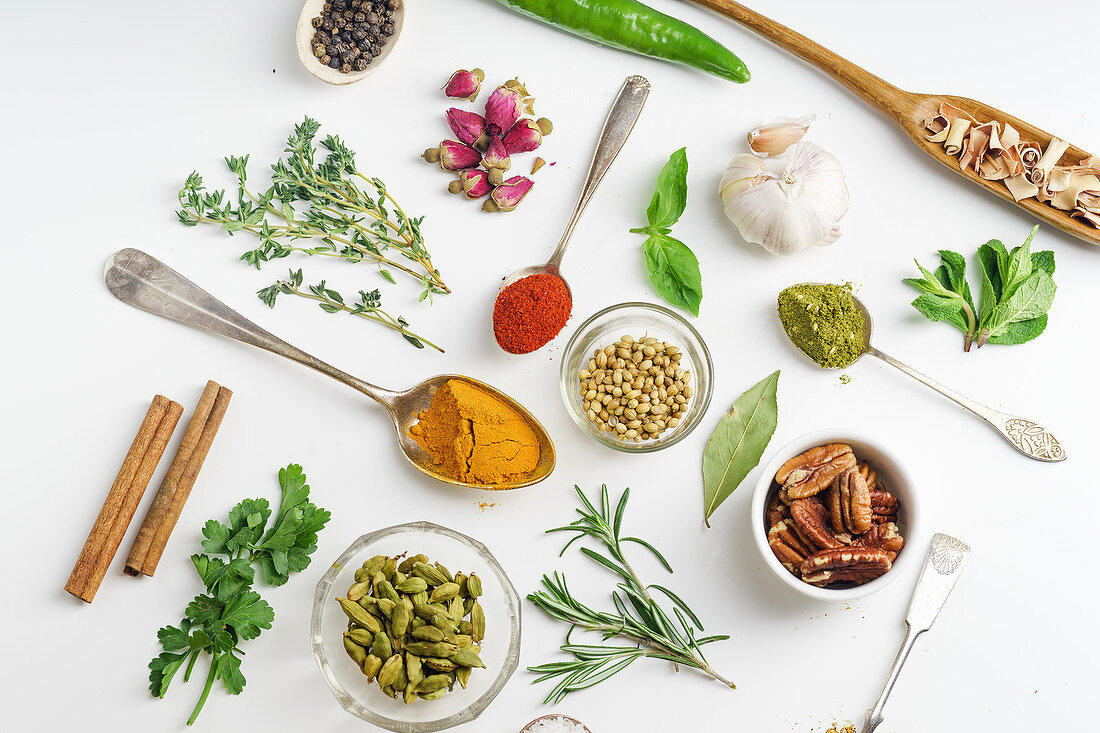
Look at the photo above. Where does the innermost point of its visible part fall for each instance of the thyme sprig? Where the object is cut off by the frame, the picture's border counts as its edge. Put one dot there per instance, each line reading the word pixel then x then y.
pixel 368 306
pixel 340 212
pixel 637 618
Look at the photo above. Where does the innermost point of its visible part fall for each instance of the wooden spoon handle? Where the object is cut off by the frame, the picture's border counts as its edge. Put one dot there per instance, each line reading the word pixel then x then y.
pixel 877 92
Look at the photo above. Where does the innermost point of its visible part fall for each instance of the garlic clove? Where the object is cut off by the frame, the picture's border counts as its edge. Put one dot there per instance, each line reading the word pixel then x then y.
pixel 775 137
pixel 742 172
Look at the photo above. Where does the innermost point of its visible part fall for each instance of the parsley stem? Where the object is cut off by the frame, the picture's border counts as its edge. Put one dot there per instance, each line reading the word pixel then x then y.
pixel 205 690
pixel 191 665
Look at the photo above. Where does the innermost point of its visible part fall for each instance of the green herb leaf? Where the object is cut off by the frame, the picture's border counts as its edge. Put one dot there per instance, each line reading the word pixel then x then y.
pixel 229 671
pixel 674 271
pixel 937 308
pixel 738 442
pixel 1021 331
pixel 1030 299
pixel 161 671
pixel 670 195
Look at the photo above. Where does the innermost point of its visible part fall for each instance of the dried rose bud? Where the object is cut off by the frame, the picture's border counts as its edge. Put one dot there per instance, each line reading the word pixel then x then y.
pixel 496 160
pixel 468 127
pixel 502 109
pixel 453 155
pixel 526 135
pixel 473 182
pixel 508 194
pixel 464 84
pixel 775 137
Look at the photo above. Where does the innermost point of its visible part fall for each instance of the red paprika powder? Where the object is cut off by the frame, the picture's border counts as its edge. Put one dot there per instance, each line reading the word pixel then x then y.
pixel 530 312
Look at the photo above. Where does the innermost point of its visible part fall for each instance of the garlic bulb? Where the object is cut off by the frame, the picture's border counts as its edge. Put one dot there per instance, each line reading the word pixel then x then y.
pixel 788 212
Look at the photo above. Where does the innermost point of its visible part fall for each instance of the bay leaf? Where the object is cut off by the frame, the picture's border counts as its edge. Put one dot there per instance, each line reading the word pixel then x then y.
pixel 736 445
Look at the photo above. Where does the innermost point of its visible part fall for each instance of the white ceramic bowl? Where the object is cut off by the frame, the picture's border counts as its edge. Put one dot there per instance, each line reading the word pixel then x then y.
pixel 892 475
pixel 303 36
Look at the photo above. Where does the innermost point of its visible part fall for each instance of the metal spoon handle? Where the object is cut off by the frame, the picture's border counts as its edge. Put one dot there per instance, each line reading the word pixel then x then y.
pixel 146 283
pixel 616 129
pixel 1026 436
pixel 945 561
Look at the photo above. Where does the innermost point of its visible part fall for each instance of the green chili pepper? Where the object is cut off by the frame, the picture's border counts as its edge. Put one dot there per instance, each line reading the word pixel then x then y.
pixel 632 26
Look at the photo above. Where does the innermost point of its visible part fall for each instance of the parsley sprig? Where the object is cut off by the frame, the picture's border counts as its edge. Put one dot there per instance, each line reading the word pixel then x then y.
pixel 229 612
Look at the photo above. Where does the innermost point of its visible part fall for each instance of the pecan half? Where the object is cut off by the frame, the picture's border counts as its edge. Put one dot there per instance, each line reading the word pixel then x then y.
pixel 811 472
pixel 869 475
pixel 884 518
pixel 849 502
pixel 849 559
pixel 884 537
pixel 883 502
pixel 810 519
pixel 777 511
pixel 787 545
pixel 828 577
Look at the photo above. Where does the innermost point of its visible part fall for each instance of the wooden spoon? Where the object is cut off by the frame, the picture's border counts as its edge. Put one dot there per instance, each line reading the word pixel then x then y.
pixel 909 111
pixel 304 37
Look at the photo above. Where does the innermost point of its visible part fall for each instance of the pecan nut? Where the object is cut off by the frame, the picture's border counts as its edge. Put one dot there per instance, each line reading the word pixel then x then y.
pixel 813 471
pixel 849 502
pixel 824 566
pixel 828 577
pixel 884 537
pixel 869 475
pixel 883 502
pixel 777 511
pixel 811 521
pixel 788 545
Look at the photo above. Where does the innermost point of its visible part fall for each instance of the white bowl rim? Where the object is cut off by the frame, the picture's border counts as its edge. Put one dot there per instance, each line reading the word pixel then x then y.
pixel 767 479
pixel 302 37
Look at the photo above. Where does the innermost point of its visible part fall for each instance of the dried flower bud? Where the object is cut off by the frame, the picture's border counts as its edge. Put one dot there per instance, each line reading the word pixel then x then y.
pixel 502 109
pixel 453 155
pixel 508 194
pixel 526 135
pixel 464 84
pixel 468 127
pixel 775 137
pixel 474 183
pixel 496 155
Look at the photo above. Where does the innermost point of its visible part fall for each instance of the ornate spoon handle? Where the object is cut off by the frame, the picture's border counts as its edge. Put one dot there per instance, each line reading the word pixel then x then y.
pixel 1026 436
pixel 945 561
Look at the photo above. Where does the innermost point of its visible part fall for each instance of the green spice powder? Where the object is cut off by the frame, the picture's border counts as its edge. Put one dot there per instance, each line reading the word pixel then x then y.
pixel 823 321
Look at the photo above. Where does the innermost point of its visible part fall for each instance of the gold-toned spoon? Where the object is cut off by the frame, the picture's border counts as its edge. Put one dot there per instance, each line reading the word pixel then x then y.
pixel 1026 436
pixel 530 726
pixel 146 283
pixel 303 39
pixel 616 129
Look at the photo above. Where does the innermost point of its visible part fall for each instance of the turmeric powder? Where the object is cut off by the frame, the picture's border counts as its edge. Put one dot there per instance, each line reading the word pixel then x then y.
pixel 475 436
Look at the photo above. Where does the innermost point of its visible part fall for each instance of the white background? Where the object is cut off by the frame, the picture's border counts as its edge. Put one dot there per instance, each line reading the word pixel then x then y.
pixel 108 106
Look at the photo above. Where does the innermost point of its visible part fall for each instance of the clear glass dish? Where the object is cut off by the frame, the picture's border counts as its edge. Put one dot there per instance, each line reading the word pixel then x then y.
pixel 499 649
pixel 637 320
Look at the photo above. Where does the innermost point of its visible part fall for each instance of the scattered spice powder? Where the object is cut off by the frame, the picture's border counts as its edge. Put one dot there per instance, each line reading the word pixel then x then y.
pixel 846 728
pixel 823 322
pixel 475 436
pixel 530 312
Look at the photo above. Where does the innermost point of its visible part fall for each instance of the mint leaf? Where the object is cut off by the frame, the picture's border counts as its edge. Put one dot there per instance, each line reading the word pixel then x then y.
pixel 1021 331
pixel 1043 261
pixel 1018 268
pixel 670 196
pixel 936 308
pixel 674 271
pixel 952 274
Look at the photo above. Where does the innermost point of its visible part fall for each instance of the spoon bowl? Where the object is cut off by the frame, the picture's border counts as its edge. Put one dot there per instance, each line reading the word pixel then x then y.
pixel 303 38
pixel 146 283
pixel 530 726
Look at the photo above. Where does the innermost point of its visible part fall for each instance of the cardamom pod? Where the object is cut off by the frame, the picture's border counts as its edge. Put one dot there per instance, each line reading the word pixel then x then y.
pixel 465 627
pixel 374 565
pixel 389 567
pixel 477 620
pixel 441 649
pixel 388 673
pixel 358 615
pixel 358 590
pixel 413 585
pixel 419 599
pixel 402 680
pixel 473 586
pixel 456 610
pixel 361 574
pixel 433 695
pixel 360 636
pixel 414 669
pixel 444 622
pixel 431 684
pixel 427 610
pixel 429 573
pixel 388 691
pixel 467 606
pixel 354 650
pixel 440 665
pixel 371 667
pixel 445 572
pixel 386 606
pixel 398 578
pixel 409 695
pixel 462 674
pixel 416 622
pixel 386 590
pixel 382 647
pixel 463 641
pixel 444 592
pixel 467 658
pixel 399 621
pixel 461 579
pixel 427 633
pixel 407 564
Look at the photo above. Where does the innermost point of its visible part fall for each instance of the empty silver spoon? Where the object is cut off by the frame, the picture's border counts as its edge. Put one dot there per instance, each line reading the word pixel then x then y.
pixel 616 129
pixel 140 280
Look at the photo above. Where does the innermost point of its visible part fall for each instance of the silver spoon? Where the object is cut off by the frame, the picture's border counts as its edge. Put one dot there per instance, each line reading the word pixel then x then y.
pixel 945 561
pixel 146 283
pixel 1026 436
pixel 616 129
pixel 527 728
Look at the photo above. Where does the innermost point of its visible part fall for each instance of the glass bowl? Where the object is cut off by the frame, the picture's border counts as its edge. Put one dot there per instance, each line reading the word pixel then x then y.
pixel 499 649
pixel 637 320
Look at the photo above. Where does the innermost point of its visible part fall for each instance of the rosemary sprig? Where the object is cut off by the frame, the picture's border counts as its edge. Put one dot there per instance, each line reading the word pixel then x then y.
pixel 369 305
pixel 341 212
pixel 638 618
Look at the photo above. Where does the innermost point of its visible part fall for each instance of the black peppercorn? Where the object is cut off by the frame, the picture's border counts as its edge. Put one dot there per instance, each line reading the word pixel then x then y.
pixel 360 17
pixel 331 50
pixel 361 64
pixel 393 4
pixel 388 29
pixel 326 59
pixel 358 35
pixel 328 24
pixel 316 22
pixel 372 18
pixel 334 63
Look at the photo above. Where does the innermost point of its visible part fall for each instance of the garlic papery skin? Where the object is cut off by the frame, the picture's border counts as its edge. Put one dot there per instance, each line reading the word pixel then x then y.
pixel 775 137
pixel 742 173
pixel 786 213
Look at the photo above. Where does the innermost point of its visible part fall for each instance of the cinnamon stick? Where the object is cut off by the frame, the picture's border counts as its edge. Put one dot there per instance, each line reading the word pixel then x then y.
pixel 177 484
pixel 123 498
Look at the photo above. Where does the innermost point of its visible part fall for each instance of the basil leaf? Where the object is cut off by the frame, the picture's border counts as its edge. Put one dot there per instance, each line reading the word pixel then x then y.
pixel 736 445
pixel 1021 331
pixel 670 196
pixel 674 271
pixel 936 308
